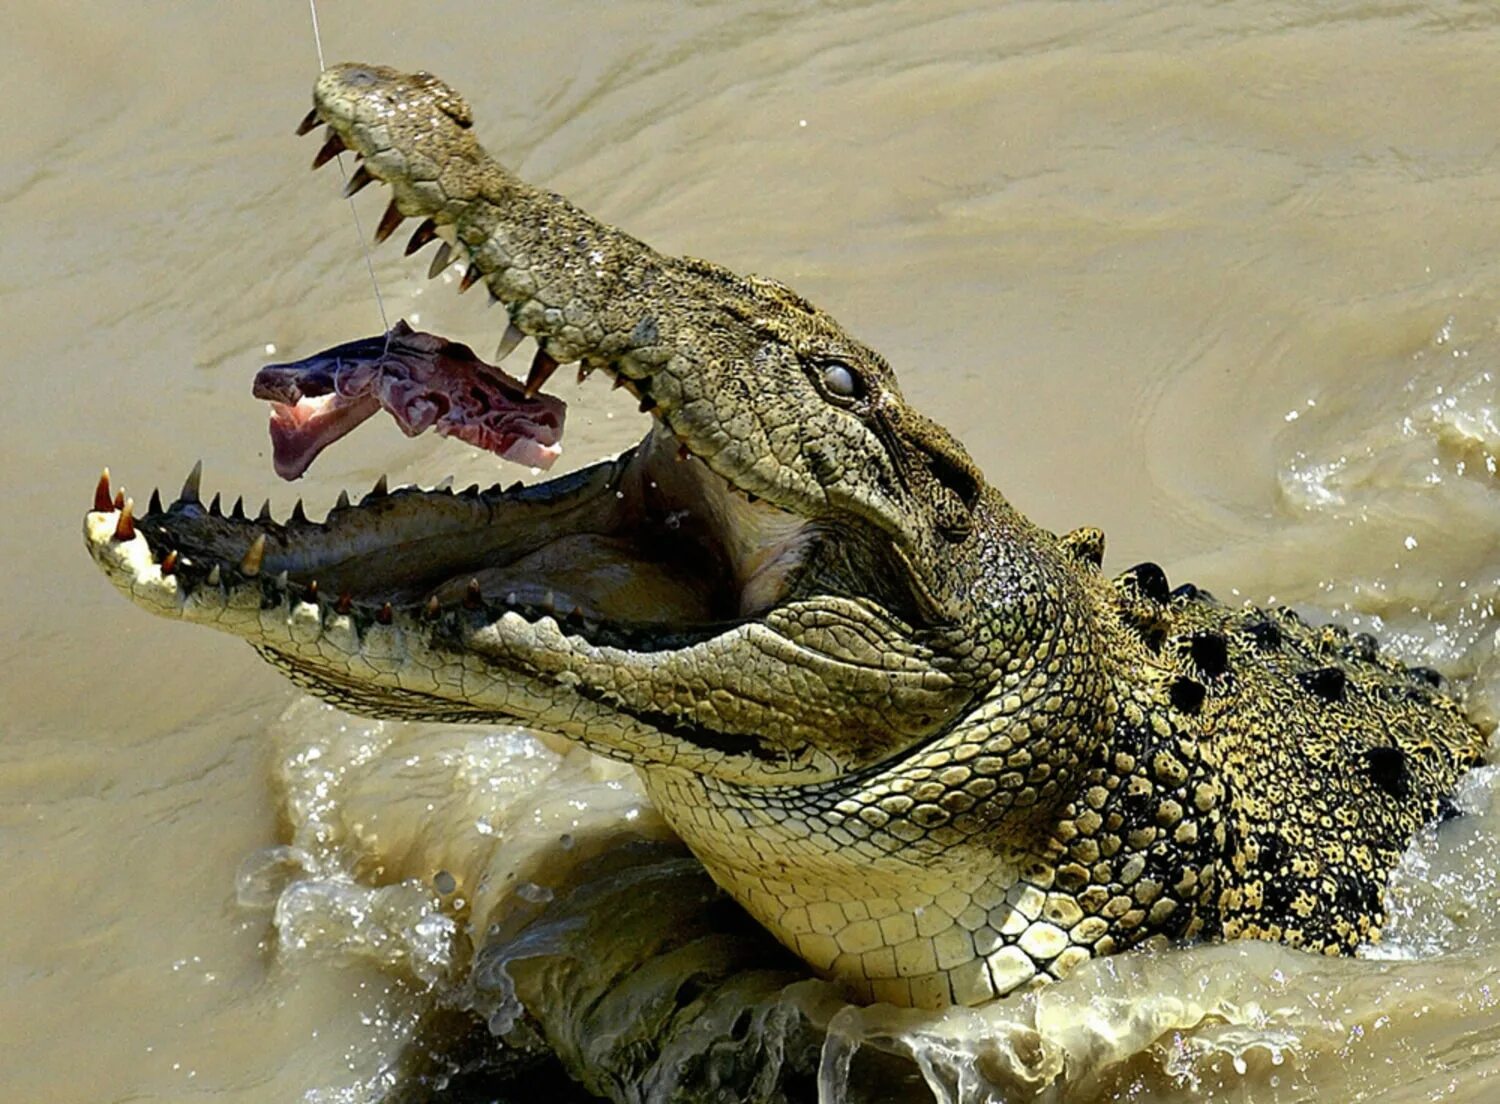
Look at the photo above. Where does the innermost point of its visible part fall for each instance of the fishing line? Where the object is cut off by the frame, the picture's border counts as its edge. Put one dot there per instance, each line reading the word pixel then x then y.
pixel 359 230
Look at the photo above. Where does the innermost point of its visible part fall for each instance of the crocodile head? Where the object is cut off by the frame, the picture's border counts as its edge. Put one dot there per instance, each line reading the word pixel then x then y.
pixel 779 585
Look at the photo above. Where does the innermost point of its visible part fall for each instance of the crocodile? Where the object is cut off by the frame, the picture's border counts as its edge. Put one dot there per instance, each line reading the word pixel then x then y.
pixel 932 747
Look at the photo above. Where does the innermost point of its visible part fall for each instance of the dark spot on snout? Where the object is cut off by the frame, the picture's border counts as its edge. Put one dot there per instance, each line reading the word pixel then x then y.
pixel 646 333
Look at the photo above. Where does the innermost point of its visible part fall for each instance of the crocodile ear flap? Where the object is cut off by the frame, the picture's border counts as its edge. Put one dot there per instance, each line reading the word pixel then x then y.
pixel 962 481
pixel 952 498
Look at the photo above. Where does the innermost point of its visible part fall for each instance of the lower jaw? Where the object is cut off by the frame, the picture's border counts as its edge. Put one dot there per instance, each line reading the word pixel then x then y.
pixel 647 543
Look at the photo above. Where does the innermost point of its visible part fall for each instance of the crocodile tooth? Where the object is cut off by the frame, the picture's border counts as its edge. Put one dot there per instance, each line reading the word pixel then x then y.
pixel 471 490
pixel 102 502
pixel 214 507
pixel 154 506
pixel 513 337
pixel 432 607
pixel 345 603
pixel 386 614
pixel 343 502
pixel 424 233
pixel 312 590
pixel 542 367
pixel 440 260
pixel 265 511
pixel 298 513
pixel 238 513
pixel 191 485
pixel 549 601
pixel 388 222
pixel 381 487
pixel 361 177
pixel 309 121
pixel 215 576
pixel 254 556
pixel 283 577
pixel 119 503
pixel 471 277
pixel 331 149
pixel 125 527
pixel 473 596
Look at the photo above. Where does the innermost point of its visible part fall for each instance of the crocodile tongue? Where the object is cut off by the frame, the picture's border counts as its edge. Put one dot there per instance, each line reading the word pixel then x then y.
pixel 423 381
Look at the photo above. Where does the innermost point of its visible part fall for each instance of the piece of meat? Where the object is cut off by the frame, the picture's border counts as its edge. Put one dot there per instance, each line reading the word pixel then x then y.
pixel 424 381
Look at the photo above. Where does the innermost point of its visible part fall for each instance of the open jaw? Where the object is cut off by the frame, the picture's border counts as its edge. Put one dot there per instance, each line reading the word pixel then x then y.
pixel 641 551
pixel 689 603
pixel 648 551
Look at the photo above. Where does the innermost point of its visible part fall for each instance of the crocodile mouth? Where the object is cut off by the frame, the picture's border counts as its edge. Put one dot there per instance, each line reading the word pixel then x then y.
pixel 657 545
pixel 754 591
pixel 649 549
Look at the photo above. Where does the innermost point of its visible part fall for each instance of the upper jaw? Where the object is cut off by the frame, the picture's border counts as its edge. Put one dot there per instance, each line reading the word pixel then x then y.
pixel 723 361
pixel 565 278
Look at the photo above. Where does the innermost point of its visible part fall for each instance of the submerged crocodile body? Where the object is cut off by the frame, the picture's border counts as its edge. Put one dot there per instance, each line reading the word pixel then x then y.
pixel 927 744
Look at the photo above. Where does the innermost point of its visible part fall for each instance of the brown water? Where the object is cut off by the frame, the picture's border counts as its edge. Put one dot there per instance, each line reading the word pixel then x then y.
pixel 1221 278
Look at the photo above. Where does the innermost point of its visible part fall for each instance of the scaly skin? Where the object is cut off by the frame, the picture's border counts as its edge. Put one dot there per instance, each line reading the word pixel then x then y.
pixel 924 742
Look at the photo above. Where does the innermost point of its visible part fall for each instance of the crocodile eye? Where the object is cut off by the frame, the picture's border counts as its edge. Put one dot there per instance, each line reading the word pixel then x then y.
pixel 836 380
pixel 839 380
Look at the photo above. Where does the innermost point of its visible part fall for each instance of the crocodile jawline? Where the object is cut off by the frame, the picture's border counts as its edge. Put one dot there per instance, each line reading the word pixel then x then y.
pixel 647 550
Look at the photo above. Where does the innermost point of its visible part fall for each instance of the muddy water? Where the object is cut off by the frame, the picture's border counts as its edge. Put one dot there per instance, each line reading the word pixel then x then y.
pixel 1223 279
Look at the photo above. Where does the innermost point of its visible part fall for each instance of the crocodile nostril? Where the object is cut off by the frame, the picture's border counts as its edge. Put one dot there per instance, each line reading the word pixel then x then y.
pixel 359 77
